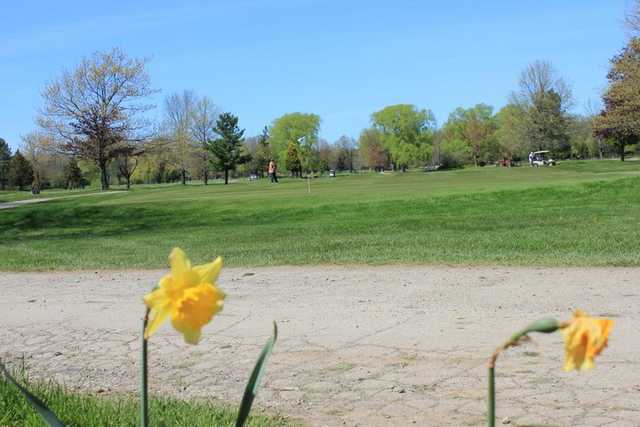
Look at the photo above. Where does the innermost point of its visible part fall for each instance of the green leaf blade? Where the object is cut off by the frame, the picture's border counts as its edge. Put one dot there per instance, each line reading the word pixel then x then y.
pixel 251 389
pixel 47 415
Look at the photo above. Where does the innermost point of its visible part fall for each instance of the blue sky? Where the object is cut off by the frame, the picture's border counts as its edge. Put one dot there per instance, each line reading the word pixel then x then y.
pixel 342 59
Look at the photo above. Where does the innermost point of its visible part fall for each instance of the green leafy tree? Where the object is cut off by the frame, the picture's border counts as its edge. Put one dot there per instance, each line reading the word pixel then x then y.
pixel 20 172
pixel 372 150
pixel 548 124
pixel 454 153
pixel 474 126
pixel 619 122
pixel 292 160
pixel 407 133
pixel 227 150
pixel 584 145
pixel 73 175
pixel 5 158
pixel 511 132
pixel 296 128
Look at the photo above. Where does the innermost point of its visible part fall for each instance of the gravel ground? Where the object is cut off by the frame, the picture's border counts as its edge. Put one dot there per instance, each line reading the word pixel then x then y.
pixel 365 346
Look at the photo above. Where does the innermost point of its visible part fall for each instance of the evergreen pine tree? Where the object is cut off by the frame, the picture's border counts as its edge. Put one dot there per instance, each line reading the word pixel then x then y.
pixel 20 172
pixel 227 149
pixel 5 158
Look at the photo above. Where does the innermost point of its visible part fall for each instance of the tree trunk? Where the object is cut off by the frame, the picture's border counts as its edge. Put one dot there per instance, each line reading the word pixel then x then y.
pixel 226 176
pixel 104 177
pixel 128 182
pixel 206 177
pixel 184 177
pixel 35 185
pixel 622 152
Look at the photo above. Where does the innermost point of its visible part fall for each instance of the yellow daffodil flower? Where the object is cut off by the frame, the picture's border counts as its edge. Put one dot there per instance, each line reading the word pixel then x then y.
pixel 584 338
pixel 188 294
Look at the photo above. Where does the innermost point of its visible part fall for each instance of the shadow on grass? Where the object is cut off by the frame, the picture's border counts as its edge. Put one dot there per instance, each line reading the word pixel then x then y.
pixel 574 223
pixel 67 219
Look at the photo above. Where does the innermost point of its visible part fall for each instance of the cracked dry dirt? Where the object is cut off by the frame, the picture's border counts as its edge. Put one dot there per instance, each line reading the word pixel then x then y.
pixel 366 346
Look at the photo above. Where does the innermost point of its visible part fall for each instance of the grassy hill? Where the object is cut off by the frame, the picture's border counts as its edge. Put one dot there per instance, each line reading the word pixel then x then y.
pixel 578 213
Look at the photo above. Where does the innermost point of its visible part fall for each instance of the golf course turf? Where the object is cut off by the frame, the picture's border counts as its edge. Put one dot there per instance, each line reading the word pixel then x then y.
pixel 577 213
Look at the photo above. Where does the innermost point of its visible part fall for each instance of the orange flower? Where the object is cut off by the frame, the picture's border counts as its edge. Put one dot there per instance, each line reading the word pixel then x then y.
pixel 584 338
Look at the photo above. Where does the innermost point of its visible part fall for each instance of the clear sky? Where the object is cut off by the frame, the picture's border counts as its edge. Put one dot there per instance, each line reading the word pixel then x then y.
pixel 342 59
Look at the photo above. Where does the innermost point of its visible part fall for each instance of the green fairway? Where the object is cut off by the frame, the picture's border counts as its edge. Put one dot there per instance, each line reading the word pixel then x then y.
pixel 77 409
pixel 578 213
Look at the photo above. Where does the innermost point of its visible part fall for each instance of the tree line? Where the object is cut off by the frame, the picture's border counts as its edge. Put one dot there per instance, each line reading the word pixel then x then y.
pixel 93 126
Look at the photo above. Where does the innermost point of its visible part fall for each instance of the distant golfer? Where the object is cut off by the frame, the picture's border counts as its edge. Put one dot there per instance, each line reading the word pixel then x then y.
pixel 531 158
pixel 273 171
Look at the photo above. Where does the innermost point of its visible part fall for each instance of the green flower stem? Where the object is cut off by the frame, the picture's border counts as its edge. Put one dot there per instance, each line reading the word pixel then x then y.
pixel 144 393
pixel 545 326
pixel 491 409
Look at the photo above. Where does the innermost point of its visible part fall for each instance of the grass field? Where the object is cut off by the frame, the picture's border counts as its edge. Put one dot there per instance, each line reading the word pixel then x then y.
pixel 578 213
pixel 76 409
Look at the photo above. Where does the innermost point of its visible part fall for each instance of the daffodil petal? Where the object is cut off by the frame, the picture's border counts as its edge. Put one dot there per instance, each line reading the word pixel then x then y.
pixel 158 317
pixel 585 338
pixel 209 272
pixel 191 337
pixel 586 365
pixel 179 263
pixel 155 298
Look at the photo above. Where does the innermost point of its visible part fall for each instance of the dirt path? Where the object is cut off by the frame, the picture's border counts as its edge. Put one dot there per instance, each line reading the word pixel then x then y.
pixel 383 346
pixel 18 203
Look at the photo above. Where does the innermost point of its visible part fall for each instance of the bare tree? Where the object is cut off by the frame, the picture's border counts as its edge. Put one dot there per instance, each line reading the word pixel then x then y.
pixel 592 110
pixel 36 146
pixel 205 114
pixel 127 161
pixel 546 99
pixel 538 79
pixel 94 109
pixel 346 150
pixel 632 18
pixel 179 115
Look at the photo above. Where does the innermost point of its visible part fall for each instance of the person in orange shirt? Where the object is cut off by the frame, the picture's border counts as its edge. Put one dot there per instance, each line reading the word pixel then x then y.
pixel 273 171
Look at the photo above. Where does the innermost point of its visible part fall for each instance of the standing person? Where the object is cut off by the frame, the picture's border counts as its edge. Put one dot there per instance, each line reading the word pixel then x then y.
pixel 531 158
pixel 273 171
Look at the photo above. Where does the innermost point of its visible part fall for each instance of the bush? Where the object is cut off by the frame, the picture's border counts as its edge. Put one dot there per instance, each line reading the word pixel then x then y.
pixel 454 154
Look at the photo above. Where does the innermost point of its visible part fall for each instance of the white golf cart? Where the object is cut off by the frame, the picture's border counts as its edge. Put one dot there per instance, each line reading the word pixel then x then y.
pixel 542 158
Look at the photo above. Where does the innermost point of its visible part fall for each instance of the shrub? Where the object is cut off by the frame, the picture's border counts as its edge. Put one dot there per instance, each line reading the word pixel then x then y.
pixel 454 154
